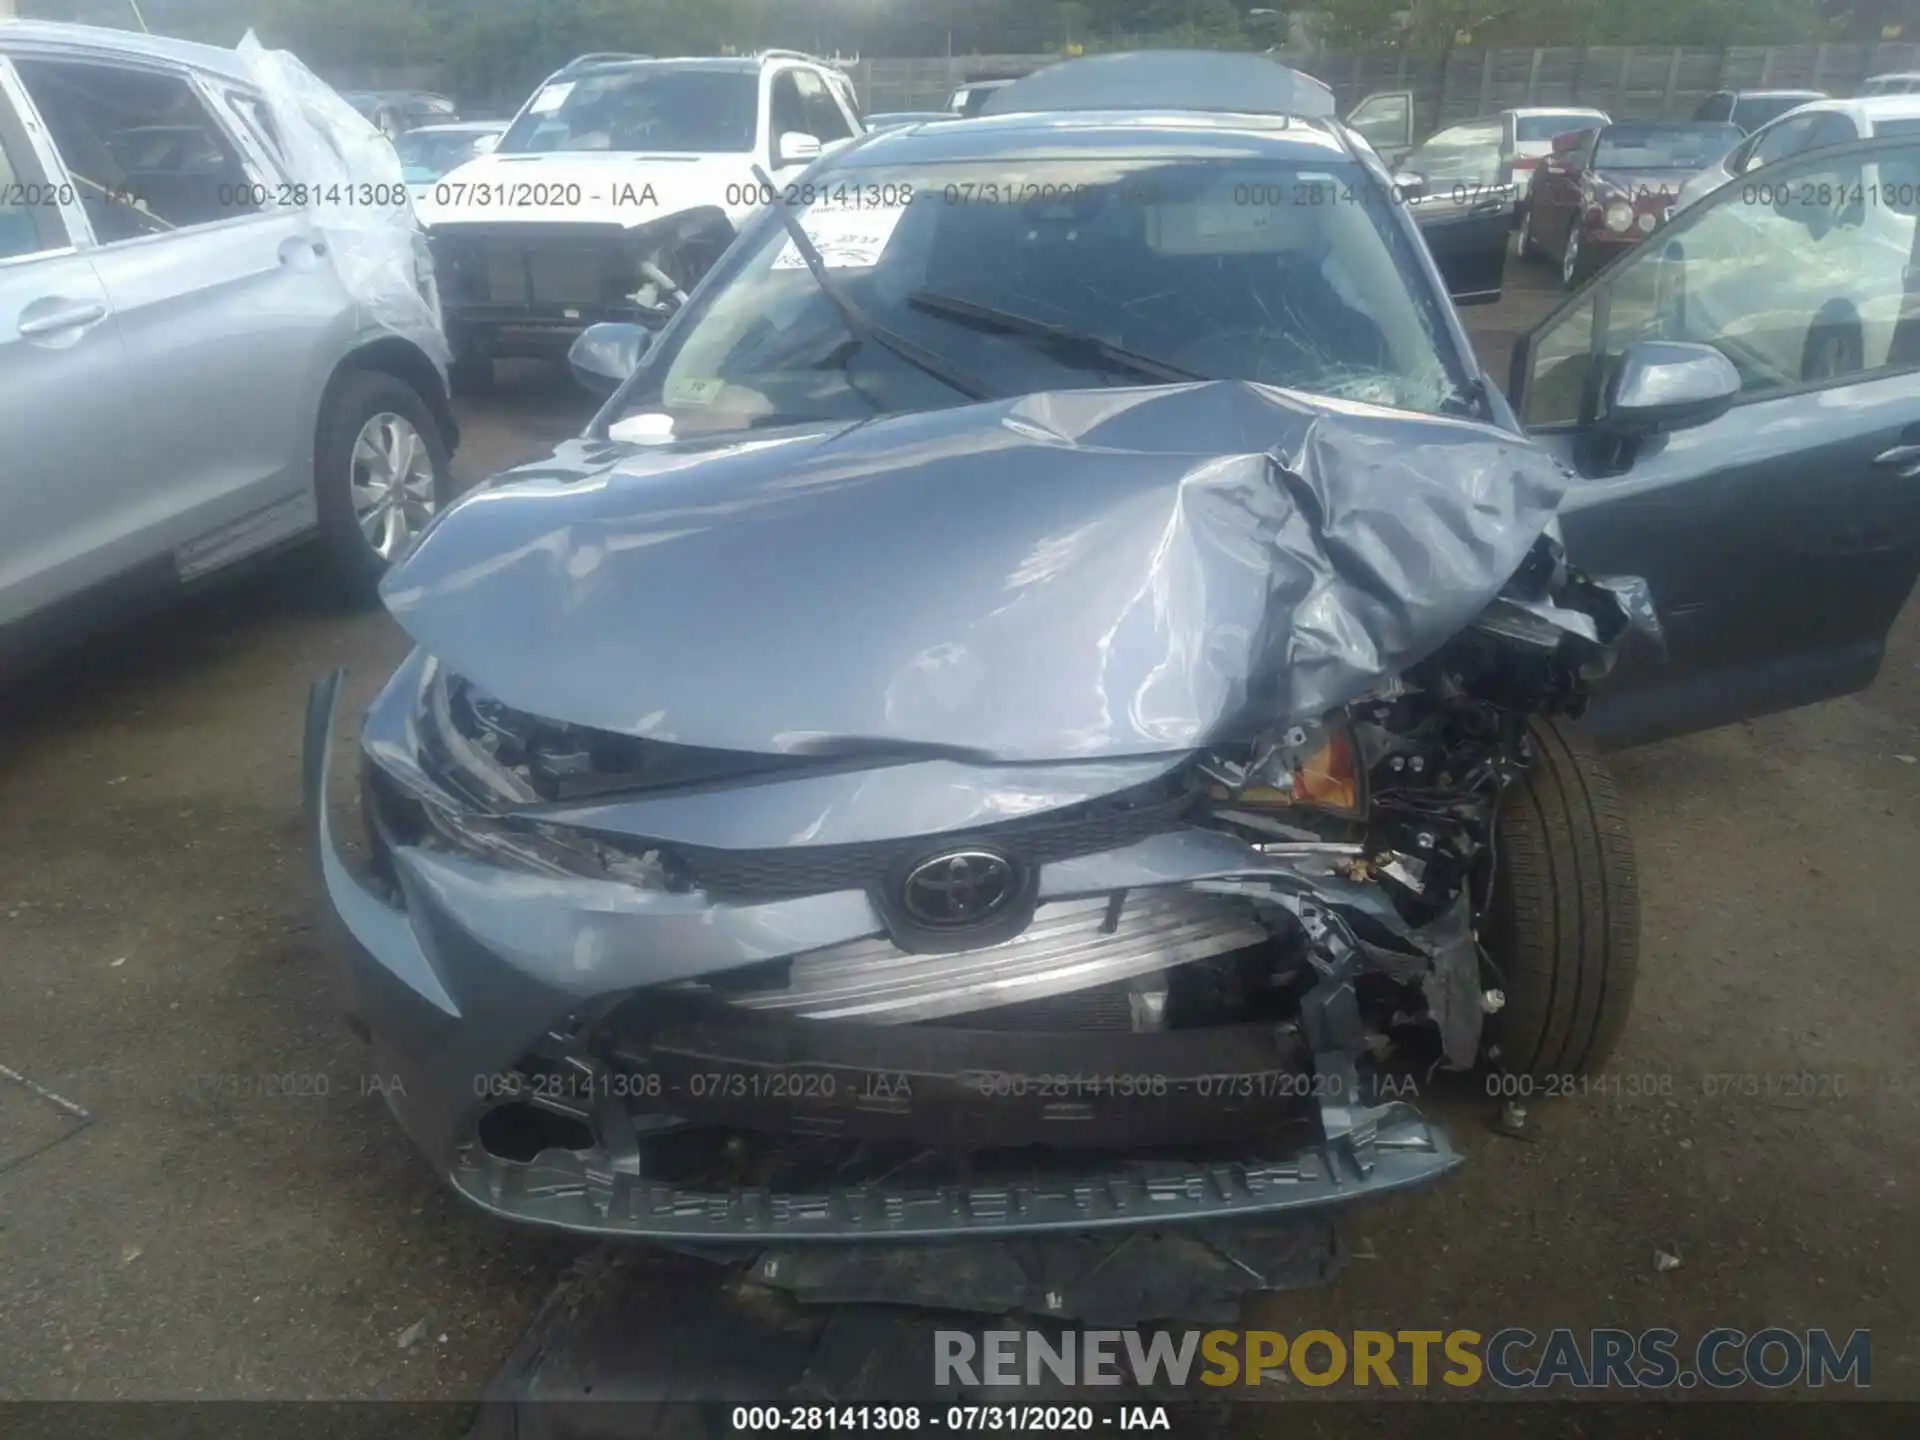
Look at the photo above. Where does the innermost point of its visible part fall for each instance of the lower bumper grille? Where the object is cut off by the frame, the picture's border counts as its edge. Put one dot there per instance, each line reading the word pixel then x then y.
pixel 1071 945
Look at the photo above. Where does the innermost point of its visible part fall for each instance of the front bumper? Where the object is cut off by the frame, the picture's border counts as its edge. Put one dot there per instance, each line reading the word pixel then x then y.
pixel 466 968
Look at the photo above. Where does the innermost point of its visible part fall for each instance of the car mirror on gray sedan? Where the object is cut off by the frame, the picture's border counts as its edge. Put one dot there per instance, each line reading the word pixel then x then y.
pixel 1669 385
pixel 606 354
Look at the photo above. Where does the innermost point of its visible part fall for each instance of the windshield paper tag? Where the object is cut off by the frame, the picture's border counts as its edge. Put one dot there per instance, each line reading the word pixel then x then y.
pixel 848 237
pixel 551 99
pixel 692 391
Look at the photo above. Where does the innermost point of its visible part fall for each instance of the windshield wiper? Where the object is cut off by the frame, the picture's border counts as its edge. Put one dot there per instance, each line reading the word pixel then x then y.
pixel 857 320
pixel 1061 337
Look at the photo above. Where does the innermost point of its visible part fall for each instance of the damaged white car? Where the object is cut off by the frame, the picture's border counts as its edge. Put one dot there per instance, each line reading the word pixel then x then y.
pixel 618 184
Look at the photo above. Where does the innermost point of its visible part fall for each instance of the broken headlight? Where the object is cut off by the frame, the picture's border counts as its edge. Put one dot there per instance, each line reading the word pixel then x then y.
pixel 1313 766
pixel 496 759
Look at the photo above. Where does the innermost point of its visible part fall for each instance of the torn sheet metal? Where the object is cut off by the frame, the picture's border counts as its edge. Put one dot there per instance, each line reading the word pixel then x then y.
pixel 357 192
pixel 1069 575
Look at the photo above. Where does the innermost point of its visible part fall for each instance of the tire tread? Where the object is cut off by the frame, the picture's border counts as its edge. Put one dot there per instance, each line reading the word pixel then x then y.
pixel 1566 914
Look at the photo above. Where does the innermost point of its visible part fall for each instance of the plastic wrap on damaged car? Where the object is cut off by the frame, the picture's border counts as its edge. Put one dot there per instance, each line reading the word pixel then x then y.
pixel 347 169
pixel 1069 575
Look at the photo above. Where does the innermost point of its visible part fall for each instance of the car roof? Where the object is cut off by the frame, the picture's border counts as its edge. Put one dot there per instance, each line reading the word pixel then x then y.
pixel 1526 111
pixel 1669 125
pixel 1772 94
pixel 1893 75
pixel 1169 80
pixel 52 36
pixel 461 127
pixel 1094 131
pixel 1859 107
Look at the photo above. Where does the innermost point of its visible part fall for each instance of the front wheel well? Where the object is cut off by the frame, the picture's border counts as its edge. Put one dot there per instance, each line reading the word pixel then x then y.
pixel 402 359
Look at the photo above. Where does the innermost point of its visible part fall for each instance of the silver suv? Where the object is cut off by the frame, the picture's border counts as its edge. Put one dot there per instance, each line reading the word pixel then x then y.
pixel 193 367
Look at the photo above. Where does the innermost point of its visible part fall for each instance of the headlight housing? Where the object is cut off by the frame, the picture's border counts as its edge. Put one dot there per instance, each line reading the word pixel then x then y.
pixel 1619 217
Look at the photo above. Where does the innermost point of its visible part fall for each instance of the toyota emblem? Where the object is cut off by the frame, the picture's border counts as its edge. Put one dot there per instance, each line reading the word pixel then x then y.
pixel 961 888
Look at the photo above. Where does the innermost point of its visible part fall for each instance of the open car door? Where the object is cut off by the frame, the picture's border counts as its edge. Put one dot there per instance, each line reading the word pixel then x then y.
pixel 1740 399
pixel 1385 119
pixel 1455 185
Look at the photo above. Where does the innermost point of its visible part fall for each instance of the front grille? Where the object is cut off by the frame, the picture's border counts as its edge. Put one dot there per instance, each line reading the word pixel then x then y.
pixel 1091 829
pixel 516 264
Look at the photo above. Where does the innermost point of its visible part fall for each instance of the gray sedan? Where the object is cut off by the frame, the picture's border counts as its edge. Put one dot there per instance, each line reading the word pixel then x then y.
pixel 1023 675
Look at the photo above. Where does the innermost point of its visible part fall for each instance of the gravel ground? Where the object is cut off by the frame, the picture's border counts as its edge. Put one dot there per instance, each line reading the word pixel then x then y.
pixel 240 1219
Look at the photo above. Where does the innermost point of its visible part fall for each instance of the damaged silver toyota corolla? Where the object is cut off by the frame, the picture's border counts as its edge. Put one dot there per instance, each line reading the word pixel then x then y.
pixel 888 804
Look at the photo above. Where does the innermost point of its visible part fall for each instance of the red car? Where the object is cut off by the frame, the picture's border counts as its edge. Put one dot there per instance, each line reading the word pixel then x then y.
pixel 1603 190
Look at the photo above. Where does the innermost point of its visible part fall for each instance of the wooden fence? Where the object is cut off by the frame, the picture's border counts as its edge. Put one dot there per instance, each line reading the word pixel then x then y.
pixel 1629 82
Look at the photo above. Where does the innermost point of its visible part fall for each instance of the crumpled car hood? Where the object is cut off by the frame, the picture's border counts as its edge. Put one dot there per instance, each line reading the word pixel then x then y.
pixel 1080 574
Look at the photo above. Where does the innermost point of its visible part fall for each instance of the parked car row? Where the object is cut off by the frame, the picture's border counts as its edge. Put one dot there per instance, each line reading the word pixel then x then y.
pixel 1606 188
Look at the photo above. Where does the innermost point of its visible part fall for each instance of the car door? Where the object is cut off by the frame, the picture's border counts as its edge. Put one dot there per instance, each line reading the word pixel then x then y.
pixel 1782 537
pixel 1385 120
pixel 1558 194
pixel 1456 188
pixel 229 310
pixel 64 479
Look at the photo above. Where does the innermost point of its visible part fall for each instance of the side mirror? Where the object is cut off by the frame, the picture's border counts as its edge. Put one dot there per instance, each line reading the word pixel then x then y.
pixel 606 354
pixel 486 144
pixel 1410 184
pixel 1669 385
pixel 795 147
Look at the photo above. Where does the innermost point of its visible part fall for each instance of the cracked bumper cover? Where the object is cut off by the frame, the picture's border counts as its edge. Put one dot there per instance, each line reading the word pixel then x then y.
pixel 475 964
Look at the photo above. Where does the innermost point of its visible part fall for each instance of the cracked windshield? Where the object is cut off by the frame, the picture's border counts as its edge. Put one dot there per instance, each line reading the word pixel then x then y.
pixel 1284 274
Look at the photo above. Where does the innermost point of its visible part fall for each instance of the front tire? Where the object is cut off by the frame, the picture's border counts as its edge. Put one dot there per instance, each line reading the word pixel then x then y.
pixel 1564 920
pixel 381 471
pixel 1573 263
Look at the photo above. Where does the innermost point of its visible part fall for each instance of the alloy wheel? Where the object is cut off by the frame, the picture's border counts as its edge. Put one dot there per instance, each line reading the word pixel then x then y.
pixel 1570 262
pixel 395 491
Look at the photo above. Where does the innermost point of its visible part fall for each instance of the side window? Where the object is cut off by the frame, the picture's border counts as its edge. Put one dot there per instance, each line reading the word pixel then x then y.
pixel 1462 154
pixel 144 153
pixel 1798 280
pixel 824 120
pixel 848 97
pixel 788 113
pixel 1715 107
pixel 1789 137
pixel 1832 128
pixel 259 116
pixel 1741 155
pixel 1384 119
pixel 29 207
